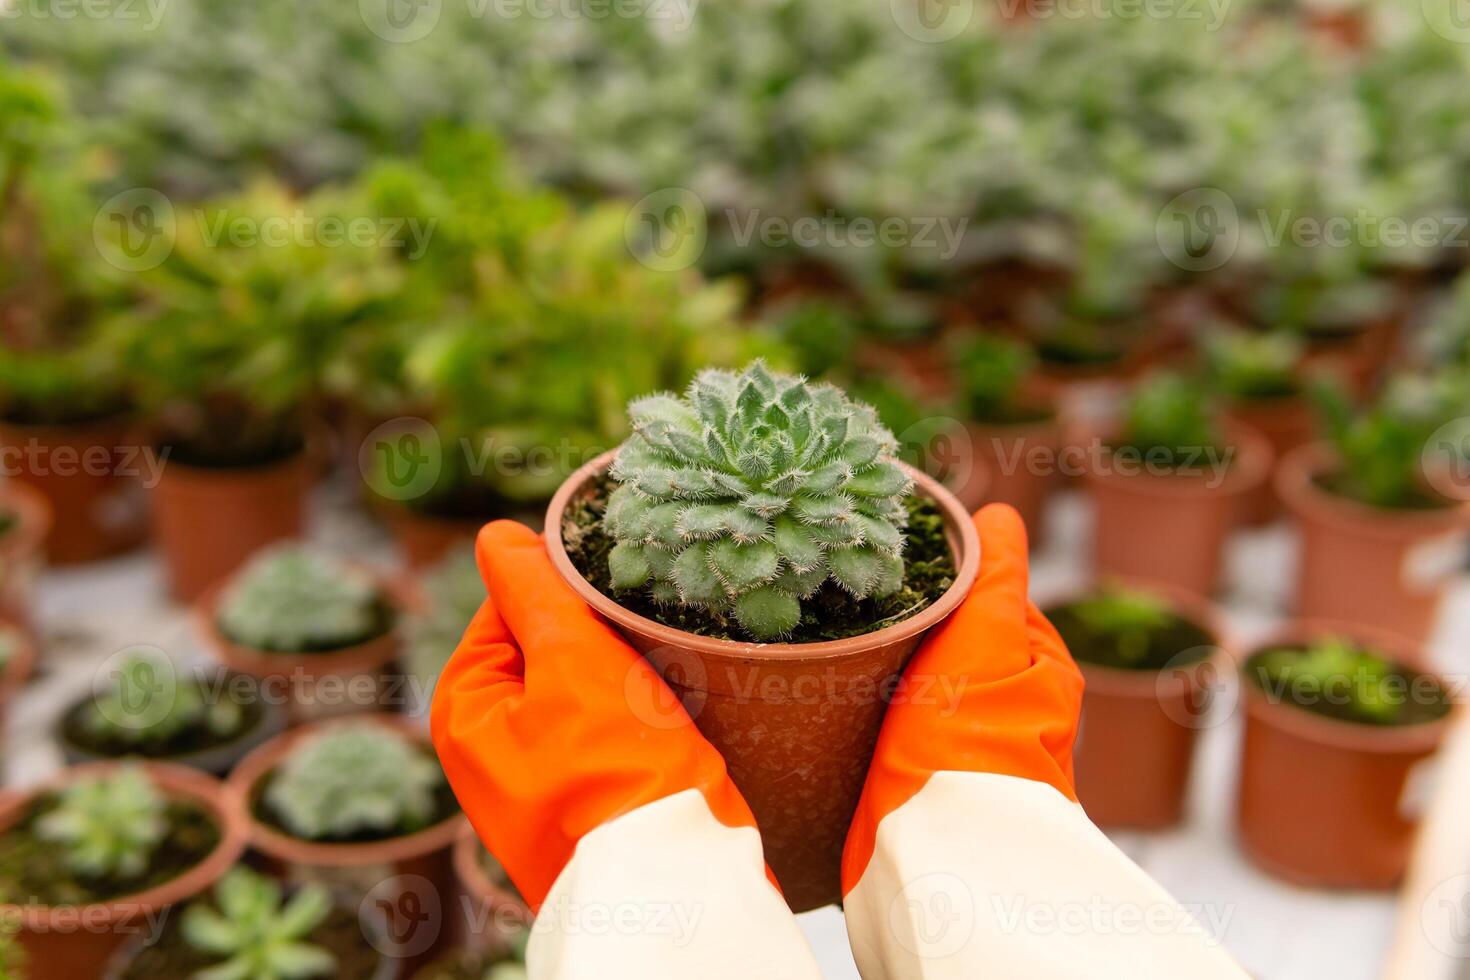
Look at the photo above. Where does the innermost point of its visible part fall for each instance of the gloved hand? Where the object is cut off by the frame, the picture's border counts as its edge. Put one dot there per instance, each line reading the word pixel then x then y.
pixel 593 810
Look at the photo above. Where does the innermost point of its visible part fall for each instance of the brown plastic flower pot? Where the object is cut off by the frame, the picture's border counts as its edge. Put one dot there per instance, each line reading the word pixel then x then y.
pixel 493 910
pixel 312 686
pixel 1367 566
pixel 1019 467
pixel 1327 803
pixel 1286 423
pixel 209 521
pixel 17 671
pixel 425 539
pixel 22 554
pixel 68 942
pixel 1135 749
pixel 89 473
pixel 410 878
pixel 1170 528
pixel 796 722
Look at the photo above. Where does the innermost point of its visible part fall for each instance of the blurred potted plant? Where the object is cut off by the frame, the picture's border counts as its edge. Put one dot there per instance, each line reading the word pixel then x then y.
pixel 1378 539
pixel 250 929
pixel 341 801
pixel 1259 377
pixel 506 964
pixel 320 631
pixel 901 334
pixel 1338 731
pixel 1016 433
pixel 25 519
pixel 1152 659
pixel 1167 485
pixel 226 346
pixel 17 662
pixel 490 896
pixel 445 599
pixel 757 526
pixel 101 847
pixel 203 720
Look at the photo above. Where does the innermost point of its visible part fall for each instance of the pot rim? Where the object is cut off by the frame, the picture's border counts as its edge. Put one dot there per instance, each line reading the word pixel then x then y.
pixel 184 475
pixel 263 759
pixel 1144 684
pixel 472 876
pixel 1252 467
pixel 125 420
pixel 34 517
pixel 967 567
pixel 1335 732
pixel 21 664
pixel 176 781
pixel 1297 487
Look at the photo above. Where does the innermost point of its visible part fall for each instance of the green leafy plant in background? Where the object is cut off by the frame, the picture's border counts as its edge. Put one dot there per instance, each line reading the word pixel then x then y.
pixel 453 593
pixel 1354 678
pixel 750 491
pixel 355 779
pixel 992 372
pixel 292 599
pixel 1168 417
pixel 1127 617
pixel 150 704
pixel 108 826
pixel 1251 366
pixel 255 934
pixel 1381 448
pixel 13 958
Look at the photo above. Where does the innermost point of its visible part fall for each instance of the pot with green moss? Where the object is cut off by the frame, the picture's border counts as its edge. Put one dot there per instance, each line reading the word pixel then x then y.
pixel 494 911
pixel 506 964
pixel 1152 659
pixel 360 804
pixel 89 860
pixel 1342 727
pixel 757 541
pixel 251 927
pixel 1168 484
pixel 25 520
pixel 152 709
pixel 318 634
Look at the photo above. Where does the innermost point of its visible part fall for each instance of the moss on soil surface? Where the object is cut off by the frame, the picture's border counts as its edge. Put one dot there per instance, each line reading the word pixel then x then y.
pixel 33 870
pixel 1164 643
pixel 197 737
pixel 831 614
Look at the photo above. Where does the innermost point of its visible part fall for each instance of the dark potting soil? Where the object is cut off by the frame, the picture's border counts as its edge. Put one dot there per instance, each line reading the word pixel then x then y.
pixel 385 617
pixel 1424 699
pixel 1008 413
pixel 33 870
pixel 1417 500
pixel 1074 354
pixel 1160 649
pixel 445 806
pixel 8 521
pixel 197 737
pixel 169 956
pixel 456 966
pixel 831 614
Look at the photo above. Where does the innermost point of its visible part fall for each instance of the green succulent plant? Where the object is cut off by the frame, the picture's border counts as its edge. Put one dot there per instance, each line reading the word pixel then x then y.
pixel 453 592
pixel 750 491
pixel 992 371
pixel 1337 668
pixel 292 599
pixel 150 704
pixel 355 778
pixel 1251 366
pixel 1168 417
pixel 1127 616
pixel 255 934
pixel 108 826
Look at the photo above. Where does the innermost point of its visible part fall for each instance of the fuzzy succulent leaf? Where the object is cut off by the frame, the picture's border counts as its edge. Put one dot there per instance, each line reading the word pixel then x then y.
pixel 292 599
pixel 255 936
pixel 756 488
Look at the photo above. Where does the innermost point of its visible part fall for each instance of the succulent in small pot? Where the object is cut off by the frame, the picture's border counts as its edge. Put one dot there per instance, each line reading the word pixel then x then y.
pixel 86 859
pixel 25 520
pixel 1341 725
pixel 152 710
pixel 1349 322
pixel 250 928
pixel 494 910
pixel 903 335
pixel 508 963
pixel 1152 659
pixel 321 632
pixel 751 533
pixel 1378 538
pixel 1167 485
pixel 356 803
pixel 1259 376
pixel 1015 430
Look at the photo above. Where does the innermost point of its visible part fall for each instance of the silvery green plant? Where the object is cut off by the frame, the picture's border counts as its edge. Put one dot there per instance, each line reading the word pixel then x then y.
pixel 454 592
pixel 750 491
pixel 290 598
pixel 150 704
pixel 256 936
pixel 108 826
pixel 352 779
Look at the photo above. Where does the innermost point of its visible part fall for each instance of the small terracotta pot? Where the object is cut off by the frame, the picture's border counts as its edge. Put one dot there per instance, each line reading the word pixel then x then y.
pixel 493 910
pixel 922 361
pixel 1019 469
pixel 1285 423
pixel 22 554
pixel 411 878
pixel 1171 529
pixel 90 473
pixel 425 539
pixel 1135 750
pixel 17 671
pixel 1327 803
pixel 68 942
pixel 1365 565
pixel 799 749
pixel 311 686
pixel 209 521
